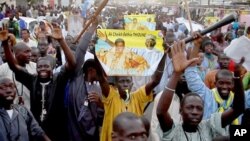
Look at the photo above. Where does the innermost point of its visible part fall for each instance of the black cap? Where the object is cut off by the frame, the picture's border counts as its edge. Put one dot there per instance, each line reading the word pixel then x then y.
pixel 89 63
pixel 205 43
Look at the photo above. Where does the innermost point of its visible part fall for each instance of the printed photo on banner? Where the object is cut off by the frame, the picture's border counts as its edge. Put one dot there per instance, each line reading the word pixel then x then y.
pixel 210 21
pixel 140 22
pixel 129 52
pixel 75 25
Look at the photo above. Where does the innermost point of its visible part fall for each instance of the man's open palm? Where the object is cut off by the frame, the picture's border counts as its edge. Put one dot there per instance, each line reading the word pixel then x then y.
pixel 180 61
pixel 102 36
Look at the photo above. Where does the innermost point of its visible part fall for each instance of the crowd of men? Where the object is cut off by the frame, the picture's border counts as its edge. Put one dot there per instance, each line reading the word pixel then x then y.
pixel 52 88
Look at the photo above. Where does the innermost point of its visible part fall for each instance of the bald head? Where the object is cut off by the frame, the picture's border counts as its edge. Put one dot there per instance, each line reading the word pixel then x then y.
pixel 126 125
pixel 19 47
pixel 223 73
pixel 121 119
pixel 22 53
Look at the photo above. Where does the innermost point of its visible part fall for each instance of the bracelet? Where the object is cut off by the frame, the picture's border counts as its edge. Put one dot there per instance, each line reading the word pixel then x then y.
pixel 167 88
pixel 236 77
pixel 159 71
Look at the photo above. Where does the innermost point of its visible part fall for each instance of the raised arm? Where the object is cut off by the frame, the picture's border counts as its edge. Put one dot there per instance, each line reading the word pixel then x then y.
pixel 11 60
pixel 104 37
pixel 239 99
pixel 197 45
pixel 71 62
pixel 156 78
pixel 102 77
pixel 83 46
pixel 21 74
pixel 194 81
pixel 180 64
pixel 165 120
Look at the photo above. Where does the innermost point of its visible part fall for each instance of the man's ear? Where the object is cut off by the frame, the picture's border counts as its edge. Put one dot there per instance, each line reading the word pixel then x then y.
pixel 114 136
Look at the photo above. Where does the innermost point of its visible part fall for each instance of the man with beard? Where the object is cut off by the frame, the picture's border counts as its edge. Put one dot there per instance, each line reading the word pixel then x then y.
pixel 47 89
pixel 16 121
pixel 192 105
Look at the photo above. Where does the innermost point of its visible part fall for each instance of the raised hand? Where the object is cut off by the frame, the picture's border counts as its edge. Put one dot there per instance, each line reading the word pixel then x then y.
pixel 4 35
pixel 179 58
pixel 102 36
pixel 238 67
pixel 56 32
pixel 198 38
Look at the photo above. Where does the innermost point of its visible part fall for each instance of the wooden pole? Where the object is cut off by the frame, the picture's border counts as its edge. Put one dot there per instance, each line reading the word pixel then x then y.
pixel 88 23
pixel 188 14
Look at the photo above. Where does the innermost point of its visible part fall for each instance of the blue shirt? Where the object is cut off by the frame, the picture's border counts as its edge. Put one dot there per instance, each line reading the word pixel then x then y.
pixel 196 85
pixel 1 16
pixel 22 24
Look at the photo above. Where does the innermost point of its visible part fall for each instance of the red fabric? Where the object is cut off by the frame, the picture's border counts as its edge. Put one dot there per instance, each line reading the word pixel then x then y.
pixel 231 65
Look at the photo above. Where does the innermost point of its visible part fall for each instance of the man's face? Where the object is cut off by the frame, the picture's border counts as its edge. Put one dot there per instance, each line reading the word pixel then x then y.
pixel 223 61
pixel 2 55
pixel 134 21
pixel 169 40
pixel 91 74
pixel 208 48
pixel 43 46
pixel 44 69
pixel 25 35
pixel 133 130
pixel 150 43
pixel 124 83
pixel 23 54
pixel 69 40
pixel 224 85
pixel 7 91
pixel 42 25
pixel 11 17
pixel 119 47
pixel 34 55
pixel 192 111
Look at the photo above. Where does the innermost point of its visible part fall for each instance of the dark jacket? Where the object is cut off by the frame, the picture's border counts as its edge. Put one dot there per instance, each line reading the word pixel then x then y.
pixel 54 123
pixel 21 127
pixel 83 121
